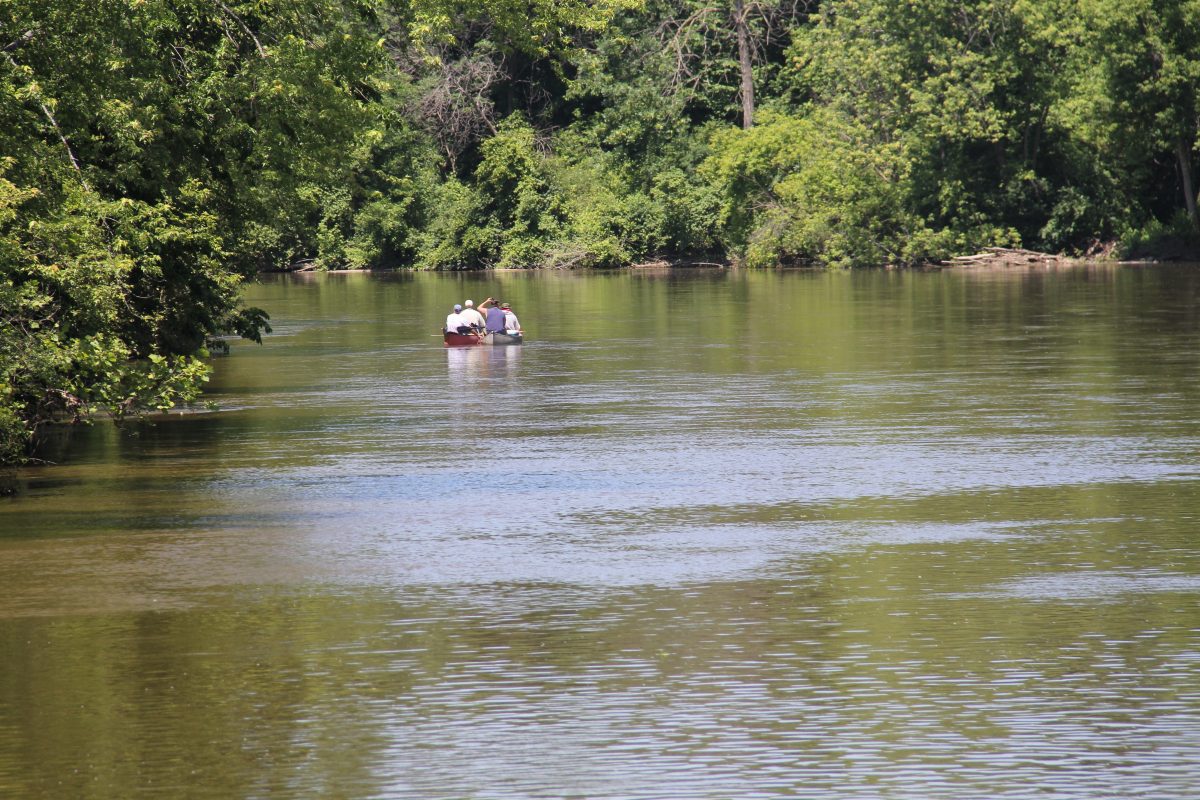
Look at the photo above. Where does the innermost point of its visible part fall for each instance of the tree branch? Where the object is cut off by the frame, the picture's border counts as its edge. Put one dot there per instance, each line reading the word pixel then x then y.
pixel 22 40
pixel 257 44
pixel 53 122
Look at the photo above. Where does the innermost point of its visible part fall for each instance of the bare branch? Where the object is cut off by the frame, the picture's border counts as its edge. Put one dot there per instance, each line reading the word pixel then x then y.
pixel 456 108
pixel 675 35
pixel 22 40
pixel 182 61
pixel 694 40
pixel 257 44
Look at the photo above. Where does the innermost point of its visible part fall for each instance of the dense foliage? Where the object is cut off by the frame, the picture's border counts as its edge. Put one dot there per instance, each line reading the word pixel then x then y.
pixel 155 153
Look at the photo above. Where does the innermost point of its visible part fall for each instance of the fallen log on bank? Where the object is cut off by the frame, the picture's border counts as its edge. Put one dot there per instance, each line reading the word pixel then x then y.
pixel 678 264
pixel 1008 257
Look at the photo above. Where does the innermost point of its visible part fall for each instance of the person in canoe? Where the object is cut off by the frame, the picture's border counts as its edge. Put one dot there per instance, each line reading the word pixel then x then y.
pixel 511 323
pixel 472 317
pixel 455 322
pixel 495 316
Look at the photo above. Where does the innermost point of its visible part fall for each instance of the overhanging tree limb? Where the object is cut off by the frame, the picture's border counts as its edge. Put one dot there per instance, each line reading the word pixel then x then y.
pixel 50 116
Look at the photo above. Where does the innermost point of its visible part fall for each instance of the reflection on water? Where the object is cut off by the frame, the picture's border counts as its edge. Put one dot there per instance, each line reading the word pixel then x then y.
pixel 850 535
pixel 466 365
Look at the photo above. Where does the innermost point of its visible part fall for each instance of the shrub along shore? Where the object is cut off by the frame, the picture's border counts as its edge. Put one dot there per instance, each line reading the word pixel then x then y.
pixel 155 154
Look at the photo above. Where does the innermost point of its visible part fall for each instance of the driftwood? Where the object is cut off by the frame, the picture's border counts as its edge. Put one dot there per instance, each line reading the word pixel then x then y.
pixel 300 265
pixel 682 264
pixel 1008 257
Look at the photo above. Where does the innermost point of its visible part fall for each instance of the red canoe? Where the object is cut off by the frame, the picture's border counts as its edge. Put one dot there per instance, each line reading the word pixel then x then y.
pixel 461 339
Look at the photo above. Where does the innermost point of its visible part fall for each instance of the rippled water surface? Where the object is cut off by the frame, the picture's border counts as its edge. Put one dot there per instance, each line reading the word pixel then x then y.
pixel 705 535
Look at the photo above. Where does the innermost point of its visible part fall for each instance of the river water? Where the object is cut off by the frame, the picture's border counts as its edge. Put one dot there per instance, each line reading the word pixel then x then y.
pixel 705 535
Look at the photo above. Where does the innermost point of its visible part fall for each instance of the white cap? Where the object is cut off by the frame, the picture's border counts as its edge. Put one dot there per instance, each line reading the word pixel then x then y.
pixel 468 304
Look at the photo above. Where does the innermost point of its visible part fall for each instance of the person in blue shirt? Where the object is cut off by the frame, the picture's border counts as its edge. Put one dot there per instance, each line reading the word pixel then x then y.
pixel 495 316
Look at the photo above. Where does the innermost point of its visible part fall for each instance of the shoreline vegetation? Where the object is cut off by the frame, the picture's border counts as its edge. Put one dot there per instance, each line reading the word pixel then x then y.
pixel 155 155
pixel 992 257
pixel 988 258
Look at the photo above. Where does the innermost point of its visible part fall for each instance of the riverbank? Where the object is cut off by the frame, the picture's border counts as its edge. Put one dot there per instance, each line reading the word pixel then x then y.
pixel 989 257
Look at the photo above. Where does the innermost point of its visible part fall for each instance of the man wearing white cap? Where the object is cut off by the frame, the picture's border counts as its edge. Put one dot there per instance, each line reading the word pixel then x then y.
pixel 470 316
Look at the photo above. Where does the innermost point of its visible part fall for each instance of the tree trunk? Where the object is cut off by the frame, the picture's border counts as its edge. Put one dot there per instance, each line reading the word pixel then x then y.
pixel 744 62
pixel 1185 170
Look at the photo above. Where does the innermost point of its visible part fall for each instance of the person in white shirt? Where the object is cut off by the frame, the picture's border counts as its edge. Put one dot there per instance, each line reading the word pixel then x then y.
pixel 454 320
pixel 511 323
pixel 470 316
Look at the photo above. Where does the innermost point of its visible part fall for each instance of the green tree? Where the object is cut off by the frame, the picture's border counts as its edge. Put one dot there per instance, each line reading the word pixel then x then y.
pixel 1138 90
pixel 157 152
